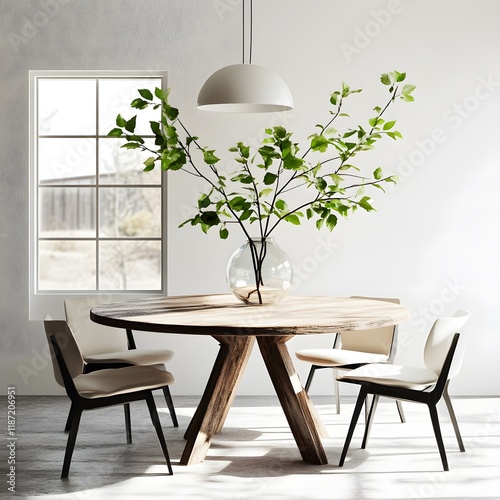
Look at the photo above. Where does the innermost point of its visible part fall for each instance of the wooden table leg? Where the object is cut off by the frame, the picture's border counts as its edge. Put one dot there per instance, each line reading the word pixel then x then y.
pixel 219 393
pixel 304 422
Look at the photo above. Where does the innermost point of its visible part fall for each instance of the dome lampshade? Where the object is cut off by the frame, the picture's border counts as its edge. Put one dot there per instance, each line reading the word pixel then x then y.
pixel 245 88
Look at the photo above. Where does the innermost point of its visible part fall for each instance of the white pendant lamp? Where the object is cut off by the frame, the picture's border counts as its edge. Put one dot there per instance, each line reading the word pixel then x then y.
pixel 245 88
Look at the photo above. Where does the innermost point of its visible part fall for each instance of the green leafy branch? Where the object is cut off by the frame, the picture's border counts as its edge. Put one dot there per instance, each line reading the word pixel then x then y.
pixel 256 191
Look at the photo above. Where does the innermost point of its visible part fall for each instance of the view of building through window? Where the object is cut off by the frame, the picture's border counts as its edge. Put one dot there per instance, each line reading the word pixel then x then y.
pixel 99 216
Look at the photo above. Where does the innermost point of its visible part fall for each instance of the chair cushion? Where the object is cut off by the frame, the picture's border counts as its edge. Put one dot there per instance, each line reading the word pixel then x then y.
pixel 338 357
pixel 133 357
pixel 409 377
pixel 115 381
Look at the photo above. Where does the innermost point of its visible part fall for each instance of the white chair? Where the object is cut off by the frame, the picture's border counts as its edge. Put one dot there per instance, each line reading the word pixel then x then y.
pixel 104 347
pixel 354 349
pixel 101 388
pixel 422 385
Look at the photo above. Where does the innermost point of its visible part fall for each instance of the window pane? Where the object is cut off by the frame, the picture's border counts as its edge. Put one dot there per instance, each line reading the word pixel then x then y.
pixel 130 265
pixel 130 212
pixel 98 226
pixel 67 106
pixel 115 96
pixel 67 212
pixel 122 166
pixel 71 161
pixel 67 265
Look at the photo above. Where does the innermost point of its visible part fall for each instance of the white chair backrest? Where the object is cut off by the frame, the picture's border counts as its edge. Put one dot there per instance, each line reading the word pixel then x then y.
pixel 92 337
pixel 68 346
pixel 439 341
pixel 376 340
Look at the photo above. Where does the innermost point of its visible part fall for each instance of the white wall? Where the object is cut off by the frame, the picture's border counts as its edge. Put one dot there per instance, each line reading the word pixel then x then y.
pixel 433 240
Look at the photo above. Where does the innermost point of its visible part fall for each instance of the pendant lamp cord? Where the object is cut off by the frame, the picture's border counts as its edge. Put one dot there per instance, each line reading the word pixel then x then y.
pixel 251 33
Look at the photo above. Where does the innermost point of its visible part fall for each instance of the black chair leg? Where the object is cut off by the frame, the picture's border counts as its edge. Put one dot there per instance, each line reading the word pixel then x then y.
pixel 156 422
pixel 437 433
pixel 454 422
pixel 170 404
pixel 357 410
pixel 310 378
pixel 70 446
pixel 369 420
pixel 401 412
pixel 67 427
pixel 128 426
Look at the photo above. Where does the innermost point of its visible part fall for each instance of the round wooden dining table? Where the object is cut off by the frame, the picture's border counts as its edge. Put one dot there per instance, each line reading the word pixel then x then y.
pixel 236 326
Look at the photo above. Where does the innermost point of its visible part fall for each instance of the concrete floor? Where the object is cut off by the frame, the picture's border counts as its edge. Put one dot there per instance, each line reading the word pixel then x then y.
pixel 255 456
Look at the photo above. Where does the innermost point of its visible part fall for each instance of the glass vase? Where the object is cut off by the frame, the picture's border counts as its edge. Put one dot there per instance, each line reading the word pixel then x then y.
pixel 259 272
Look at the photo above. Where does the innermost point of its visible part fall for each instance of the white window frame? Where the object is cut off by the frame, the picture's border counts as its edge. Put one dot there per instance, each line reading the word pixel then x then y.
pixel 50 302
